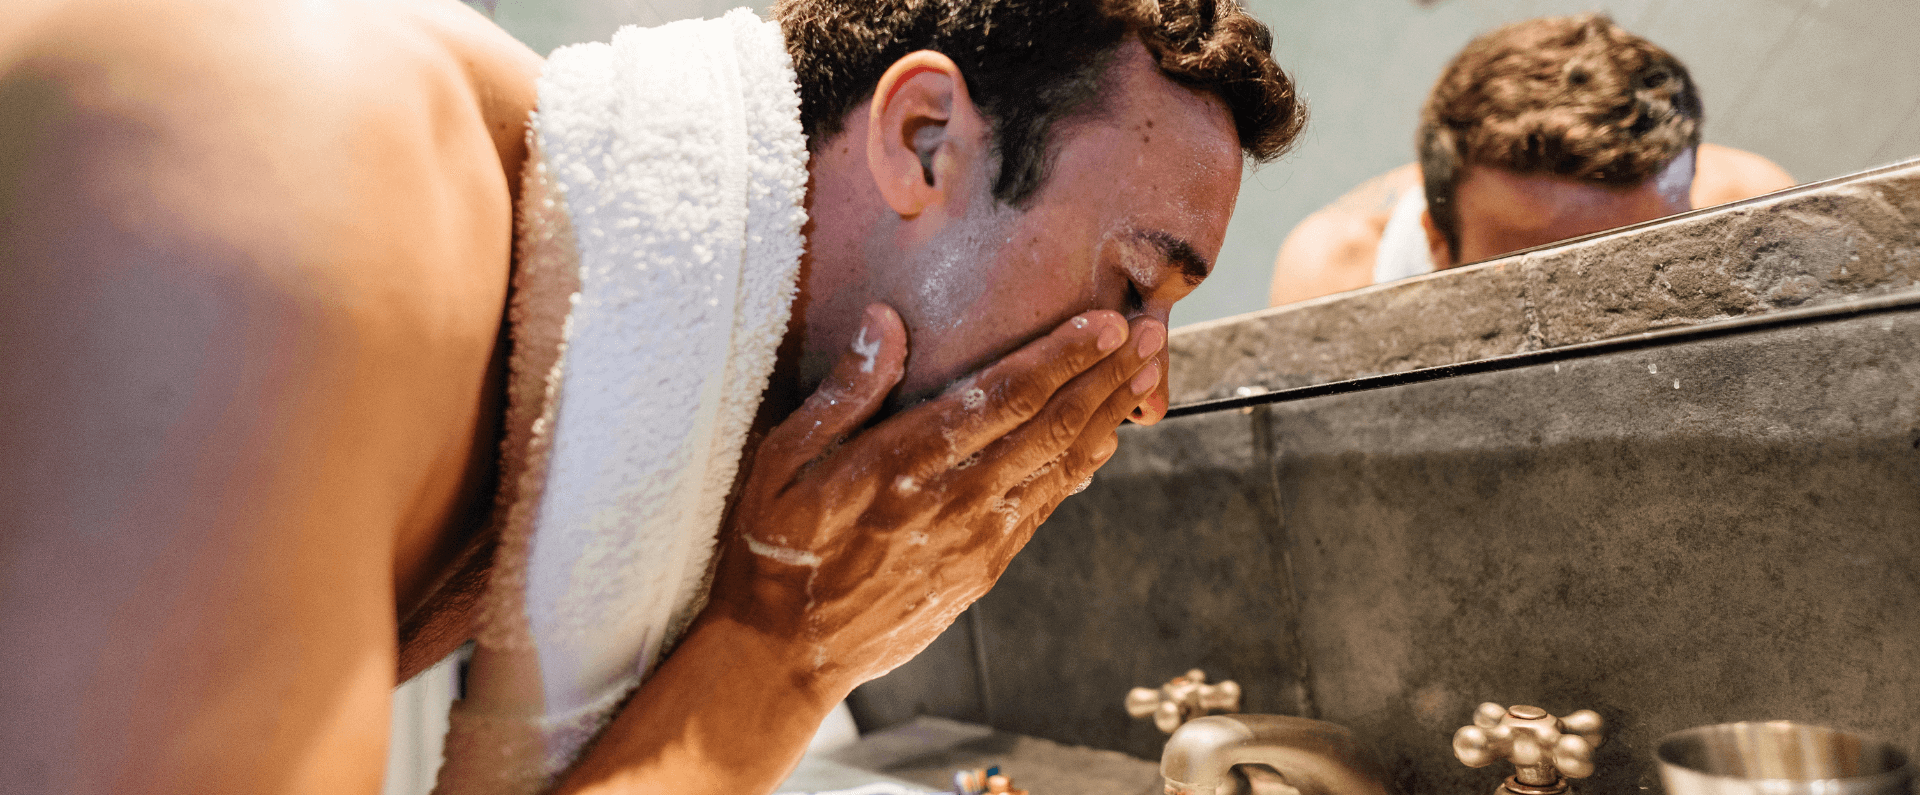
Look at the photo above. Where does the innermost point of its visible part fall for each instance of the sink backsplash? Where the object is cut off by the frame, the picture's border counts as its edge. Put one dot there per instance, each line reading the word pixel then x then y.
pixel 1717 529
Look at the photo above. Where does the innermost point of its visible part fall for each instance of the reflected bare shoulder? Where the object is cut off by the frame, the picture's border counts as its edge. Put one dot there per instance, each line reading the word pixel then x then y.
pixel 1333 249
pixel 1725 174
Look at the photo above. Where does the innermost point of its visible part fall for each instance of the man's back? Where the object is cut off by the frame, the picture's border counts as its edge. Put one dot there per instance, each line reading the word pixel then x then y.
pixel 256 254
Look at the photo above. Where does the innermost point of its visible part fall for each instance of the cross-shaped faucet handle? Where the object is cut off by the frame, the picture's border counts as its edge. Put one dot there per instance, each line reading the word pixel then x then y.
pixel 1183 699
pixel 1544 750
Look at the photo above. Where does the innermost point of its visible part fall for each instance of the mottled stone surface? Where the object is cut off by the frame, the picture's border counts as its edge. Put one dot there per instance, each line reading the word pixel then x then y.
pixel 1137 580
pixel 1811 245
pixel 1743 546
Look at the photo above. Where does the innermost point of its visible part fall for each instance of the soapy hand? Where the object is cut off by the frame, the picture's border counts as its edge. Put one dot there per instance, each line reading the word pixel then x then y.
pixel 858 551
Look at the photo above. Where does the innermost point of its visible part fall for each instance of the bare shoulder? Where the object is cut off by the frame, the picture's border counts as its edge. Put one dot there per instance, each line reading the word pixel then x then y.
pixel 1725 174
pixel 1333 249
pixel 325 153
pixel 1329 252
pixel 252 260
pixel 1378 195
pixel 322 175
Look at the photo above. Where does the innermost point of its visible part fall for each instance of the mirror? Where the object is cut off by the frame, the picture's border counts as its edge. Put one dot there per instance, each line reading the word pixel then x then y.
pixel 1821 88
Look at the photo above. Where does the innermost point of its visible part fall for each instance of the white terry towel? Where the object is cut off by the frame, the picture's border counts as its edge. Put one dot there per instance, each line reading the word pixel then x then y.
pixel 1403 244
pixel 659 242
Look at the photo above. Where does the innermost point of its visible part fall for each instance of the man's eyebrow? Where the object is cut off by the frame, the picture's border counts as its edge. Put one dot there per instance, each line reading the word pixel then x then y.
pixel 1193 267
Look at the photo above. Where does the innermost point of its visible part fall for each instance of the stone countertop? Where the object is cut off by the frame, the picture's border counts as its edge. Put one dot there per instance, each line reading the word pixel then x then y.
pixel 928 750
pixel 1846 238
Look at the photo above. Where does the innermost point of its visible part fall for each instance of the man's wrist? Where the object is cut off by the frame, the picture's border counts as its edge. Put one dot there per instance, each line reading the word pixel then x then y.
pixel 683 730
pixel 777 652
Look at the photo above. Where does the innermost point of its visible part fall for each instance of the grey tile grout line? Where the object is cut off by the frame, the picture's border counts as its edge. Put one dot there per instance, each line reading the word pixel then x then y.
pixel 1260 425
pixel 978 634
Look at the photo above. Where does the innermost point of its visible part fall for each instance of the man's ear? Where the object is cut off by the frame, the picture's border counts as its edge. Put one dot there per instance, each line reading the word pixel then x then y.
pixel 923 132
pixel 1437 250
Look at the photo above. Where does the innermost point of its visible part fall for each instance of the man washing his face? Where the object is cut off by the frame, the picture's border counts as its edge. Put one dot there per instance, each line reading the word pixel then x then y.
pixel 722 392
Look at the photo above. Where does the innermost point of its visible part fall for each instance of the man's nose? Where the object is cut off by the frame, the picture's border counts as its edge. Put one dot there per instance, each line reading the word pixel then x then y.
pixel 1154 406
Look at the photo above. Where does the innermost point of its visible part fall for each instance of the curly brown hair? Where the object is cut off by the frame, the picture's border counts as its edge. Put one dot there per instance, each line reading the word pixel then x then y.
pixel 1572 96
pixel 1032 64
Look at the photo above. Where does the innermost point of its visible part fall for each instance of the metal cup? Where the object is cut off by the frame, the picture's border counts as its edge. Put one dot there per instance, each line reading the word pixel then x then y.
pixel 1780 758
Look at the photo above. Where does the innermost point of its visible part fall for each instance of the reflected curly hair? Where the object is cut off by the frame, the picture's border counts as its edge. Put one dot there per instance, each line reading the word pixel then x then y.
pixel 1032 64
pixel 1572 96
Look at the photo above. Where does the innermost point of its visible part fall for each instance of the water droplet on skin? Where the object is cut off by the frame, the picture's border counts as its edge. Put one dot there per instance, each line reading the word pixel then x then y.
pixel 1676 384
pixel 1079 322
pixel 1653 368
pixel 905 484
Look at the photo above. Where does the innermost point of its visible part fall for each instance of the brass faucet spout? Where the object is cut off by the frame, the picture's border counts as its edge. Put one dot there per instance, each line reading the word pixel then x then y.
pixel 1315 757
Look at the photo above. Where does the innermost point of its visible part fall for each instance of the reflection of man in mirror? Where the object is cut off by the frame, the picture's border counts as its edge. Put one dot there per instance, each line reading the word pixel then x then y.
pixel 1539 131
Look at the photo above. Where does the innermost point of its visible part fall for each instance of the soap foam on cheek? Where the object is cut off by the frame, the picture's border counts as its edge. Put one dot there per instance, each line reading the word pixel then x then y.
pixel 950 278
pixel 1092 287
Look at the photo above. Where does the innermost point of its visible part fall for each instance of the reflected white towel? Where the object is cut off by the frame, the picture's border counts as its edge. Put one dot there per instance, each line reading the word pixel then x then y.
pixel 659 243
pixel 1403 244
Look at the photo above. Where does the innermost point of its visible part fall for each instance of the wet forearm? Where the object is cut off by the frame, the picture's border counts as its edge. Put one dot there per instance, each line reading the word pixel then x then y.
pixel 729 712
